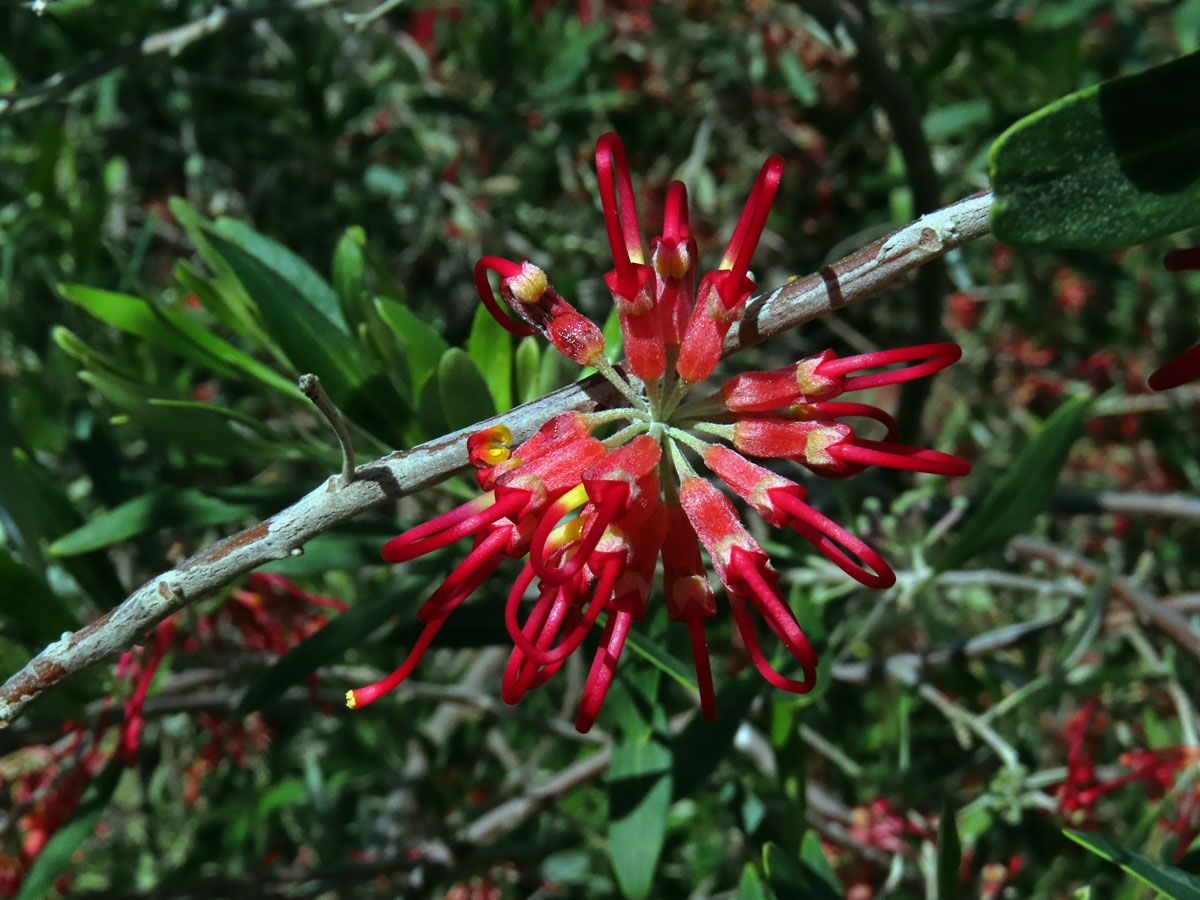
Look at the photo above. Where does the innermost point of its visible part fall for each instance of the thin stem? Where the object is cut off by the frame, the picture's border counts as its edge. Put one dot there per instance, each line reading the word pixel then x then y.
pixel 691 440
pixel 724 432
pixel 605 368
pixel 605 416
pixel 955 713
pixel 625 434
pixel 310 385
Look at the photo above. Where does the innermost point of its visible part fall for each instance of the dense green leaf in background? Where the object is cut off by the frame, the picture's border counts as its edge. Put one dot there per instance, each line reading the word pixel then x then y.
pixel 1113 165
pixel 1174 883
pixel 1022 491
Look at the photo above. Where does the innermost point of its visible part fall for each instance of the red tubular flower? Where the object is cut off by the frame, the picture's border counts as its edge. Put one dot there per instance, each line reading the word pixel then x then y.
pixel 724 293
pixel 1186 366
pixel 594 514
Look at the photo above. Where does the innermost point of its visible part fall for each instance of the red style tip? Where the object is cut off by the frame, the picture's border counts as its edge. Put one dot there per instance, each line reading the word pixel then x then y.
pixel 833 541
pixel 898 456
pixel 1180 260
pixel 936 357
pixel 1183 368
pixel 735 287
pixel 364 696
pixel 505 269
pixel 675 214
pixel 620 210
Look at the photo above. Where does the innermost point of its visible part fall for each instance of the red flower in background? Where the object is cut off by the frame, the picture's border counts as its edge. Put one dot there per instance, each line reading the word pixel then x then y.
pixel 625 474
pixel 1157 770
pixel 1186 366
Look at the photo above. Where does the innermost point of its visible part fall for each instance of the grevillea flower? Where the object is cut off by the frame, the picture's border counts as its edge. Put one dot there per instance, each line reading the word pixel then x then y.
pixel 592 500
pixel 1186 366
pixel 1155 769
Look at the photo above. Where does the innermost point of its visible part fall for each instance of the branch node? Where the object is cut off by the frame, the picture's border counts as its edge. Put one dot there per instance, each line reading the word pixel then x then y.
pixel 310 385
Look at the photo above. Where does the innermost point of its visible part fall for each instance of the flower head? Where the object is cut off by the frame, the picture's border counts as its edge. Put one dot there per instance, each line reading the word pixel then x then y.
pixel 592 501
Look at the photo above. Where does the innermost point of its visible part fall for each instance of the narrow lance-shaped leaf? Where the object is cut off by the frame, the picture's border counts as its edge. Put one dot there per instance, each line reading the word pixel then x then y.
pixel 1112 165
pixel 490 346
pixel 1174 883
pixel 422 344
pixel 795 879
pixel 463 389
pixel 166 507
pixel 1023 490
pixel 949 854
pixel 639 793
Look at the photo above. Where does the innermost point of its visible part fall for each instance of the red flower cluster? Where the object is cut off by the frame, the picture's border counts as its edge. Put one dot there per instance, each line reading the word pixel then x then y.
pixel 594 513
pixel 1157 770
pixel 1186 366
pixel 269 614
pixel 44 786
pixel 880 826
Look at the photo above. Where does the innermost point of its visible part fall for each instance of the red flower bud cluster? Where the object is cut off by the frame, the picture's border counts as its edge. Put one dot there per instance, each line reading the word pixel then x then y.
pixel 1156 770
pixel 269 614
pixel 592 501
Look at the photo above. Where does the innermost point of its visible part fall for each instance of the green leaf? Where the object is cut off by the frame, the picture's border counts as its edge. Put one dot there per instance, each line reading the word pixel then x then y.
pixel 639 792
pixel 812 854
pixel 303 278
pixel 222 295
pixel 949 854
pixel 490 346
pixel 1023 490
pixel 528 369
pixel 661 658
pixel 1174 883
pixel 56 856
pixel 297 315
pixel 423 345
pixel 8 75
pixel 463 390
pixel 176 333
pixel 750 886
pixel 349 279
pixel 163 508
pixel 801 82
pixel 1110 166
pixel 226 300
pixel 200 428
pixel 795 879
pixel 701 746
pixel 30 606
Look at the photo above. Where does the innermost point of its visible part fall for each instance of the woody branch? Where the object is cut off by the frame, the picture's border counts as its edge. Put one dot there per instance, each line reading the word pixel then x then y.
pixel 859 276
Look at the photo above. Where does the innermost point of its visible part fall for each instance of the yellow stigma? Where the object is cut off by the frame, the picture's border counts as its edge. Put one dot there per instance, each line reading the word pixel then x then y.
pixel 494 454
pixel 529 285
pixel 350 701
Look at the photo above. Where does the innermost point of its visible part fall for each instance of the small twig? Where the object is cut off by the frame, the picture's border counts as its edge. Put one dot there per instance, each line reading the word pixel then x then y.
pixel 359 20
pixel 957 714
pixel 909 667
pixel 1146 607
pixel 172 41
pixel 859 276
pixel 310 385
pixel 1134 503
